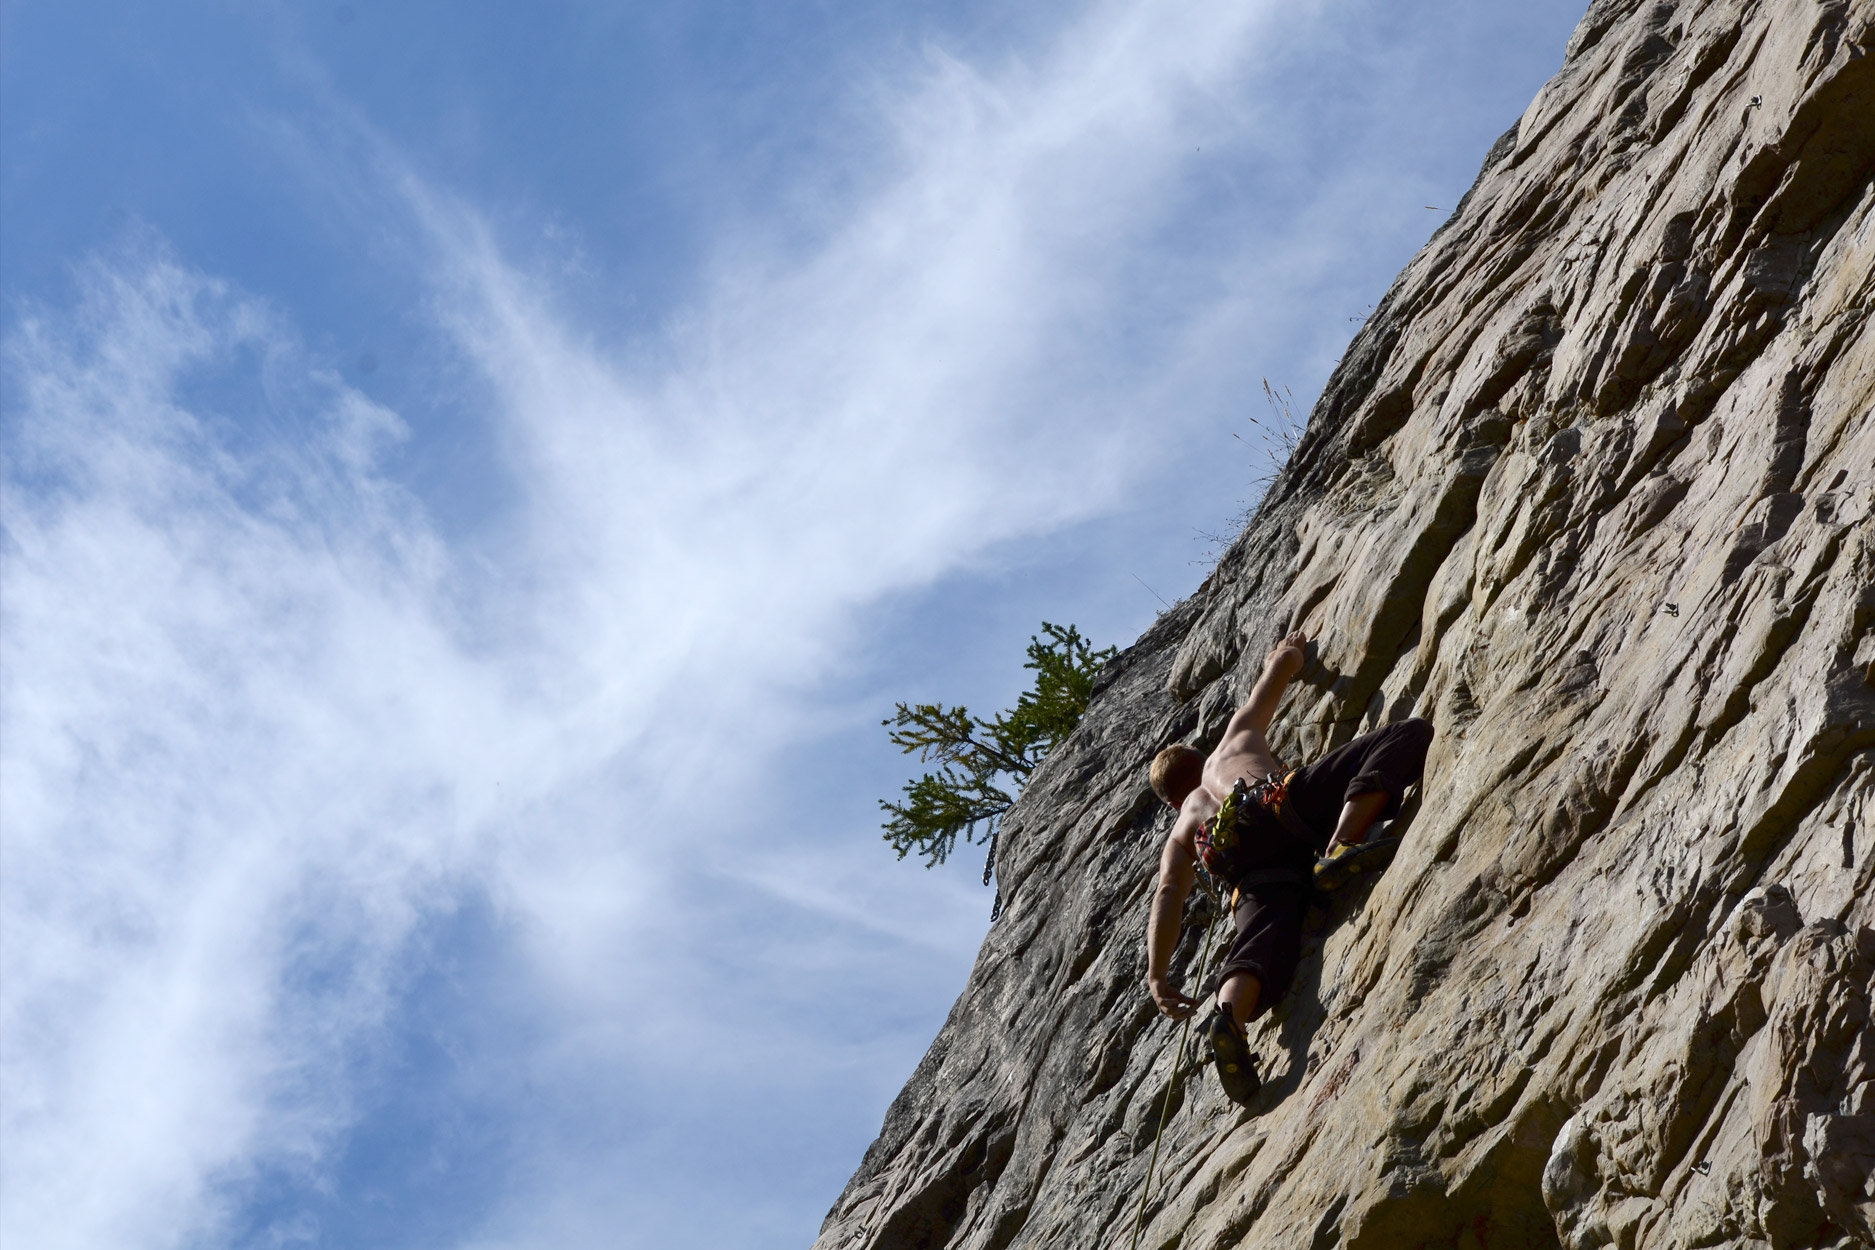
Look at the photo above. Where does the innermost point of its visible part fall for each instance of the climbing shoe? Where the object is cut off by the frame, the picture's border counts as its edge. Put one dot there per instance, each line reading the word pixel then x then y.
pixel 1236 1066
pixel 1344 862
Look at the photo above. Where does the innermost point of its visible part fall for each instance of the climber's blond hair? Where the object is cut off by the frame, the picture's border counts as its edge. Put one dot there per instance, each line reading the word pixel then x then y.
pixel 1172 767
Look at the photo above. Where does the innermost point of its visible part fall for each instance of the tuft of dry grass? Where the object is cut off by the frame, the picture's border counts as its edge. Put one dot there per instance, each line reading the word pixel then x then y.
pixel 1281 433
pixel 1280 436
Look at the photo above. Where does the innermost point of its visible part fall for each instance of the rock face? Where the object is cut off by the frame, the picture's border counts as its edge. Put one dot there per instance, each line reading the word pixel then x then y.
pixel 1592 490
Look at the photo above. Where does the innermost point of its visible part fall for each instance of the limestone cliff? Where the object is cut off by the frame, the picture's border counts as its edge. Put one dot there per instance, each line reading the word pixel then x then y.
pixel 1592 490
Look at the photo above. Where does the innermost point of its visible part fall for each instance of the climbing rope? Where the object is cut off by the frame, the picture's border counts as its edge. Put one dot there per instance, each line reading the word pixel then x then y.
pixel 1178 1057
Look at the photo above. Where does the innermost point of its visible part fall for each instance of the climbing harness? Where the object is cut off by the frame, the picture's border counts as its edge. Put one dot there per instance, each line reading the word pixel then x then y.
pixel 1218 838
pixel 1178 1060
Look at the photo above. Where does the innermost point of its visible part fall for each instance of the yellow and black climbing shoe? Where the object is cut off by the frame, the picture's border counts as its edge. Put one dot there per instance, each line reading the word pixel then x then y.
pixel 1236 1066
pixel 1344 862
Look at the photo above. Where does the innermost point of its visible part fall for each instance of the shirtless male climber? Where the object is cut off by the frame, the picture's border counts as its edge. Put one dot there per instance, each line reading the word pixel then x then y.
pixel 1271 854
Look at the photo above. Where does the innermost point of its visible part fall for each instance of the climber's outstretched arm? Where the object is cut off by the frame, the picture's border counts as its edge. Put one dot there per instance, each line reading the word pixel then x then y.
pixel 1178 870
pixel 1285 660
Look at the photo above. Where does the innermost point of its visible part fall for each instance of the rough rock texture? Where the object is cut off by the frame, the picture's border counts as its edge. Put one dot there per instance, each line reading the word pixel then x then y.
pixel 1592 489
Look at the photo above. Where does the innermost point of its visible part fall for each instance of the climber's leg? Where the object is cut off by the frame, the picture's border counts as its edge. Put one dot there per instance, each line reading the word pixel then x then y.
pixel 1263 956
pixel 1357 818
pixel 1382 763
pixel 1239 996
pixel 1256 974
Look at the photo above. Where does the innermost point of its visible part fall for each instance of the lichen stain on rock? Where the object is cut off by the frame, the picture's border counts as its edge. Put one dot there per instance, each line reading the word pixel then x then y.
pixel 1591 489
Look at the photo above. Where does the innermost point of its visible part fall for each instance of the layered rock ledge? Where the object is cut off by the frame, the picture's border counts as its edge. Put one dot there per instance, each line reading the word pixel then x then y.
pixel 1591 489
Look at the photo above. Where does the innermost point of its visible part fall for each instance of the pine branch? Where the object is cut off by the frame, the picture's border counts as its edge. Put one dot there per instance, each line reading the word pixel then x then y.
pixel 973 754
pixel 938 807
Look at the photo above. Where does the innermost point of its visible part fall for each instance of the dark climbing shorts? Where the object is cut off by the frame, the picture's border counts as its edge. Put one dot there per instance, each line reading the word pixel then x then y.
pixel 1269 940
pixel 1268 944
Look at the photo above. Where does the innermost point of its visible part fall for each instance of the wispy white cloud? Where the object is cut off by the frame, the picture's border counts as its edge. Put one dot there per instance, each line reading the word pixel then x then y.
pixel 213 714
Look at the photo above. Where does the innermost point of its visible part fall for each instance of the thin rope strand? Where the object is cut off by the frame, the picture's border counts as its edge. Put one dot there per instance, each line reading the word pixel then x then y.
pixel 1178 1056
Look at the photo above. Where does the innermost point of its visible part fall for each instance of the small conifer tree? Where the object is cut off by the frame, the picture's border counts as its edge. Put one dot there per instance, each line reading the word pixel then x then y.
pixel 984 763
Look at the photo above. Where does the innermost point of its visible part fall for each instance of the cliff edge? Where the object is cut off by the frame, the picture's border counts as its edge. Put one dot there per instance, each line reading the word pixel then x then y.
pixel 1592 490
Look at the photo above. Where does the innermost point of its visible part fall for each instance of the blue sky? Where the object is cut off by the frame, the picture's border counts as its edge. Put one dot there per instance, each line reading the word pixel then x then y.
pixel 476 475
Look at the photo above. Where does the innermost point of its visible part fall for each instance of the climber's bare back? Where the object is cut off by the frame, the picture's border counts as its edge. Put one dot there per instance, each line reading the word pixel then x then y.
pixel 1243 756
